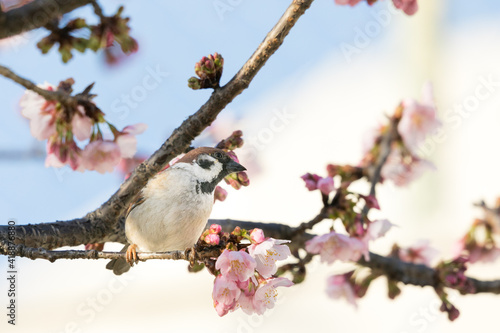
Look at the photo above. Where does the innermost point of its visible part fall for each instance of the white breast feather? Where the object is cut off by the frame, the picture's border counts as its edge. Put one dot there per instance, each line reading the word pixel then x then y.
pixel 173 216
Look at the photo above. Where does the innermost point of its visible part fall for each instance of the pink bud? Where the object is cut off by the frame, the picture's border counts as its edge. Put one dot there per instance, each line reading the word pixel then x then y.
pixel 325 185
pixel 243 178
pixel 257 236
pixel 451 280
pixel 220 194
pixel 215 229
pixel 371 201
pixel 453 313
pixel 311 181
pixel 212 239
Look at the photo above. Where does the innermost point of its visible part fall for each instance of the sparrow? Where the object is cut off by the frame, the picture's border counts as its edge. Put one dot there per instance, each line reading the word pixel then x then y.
pixel 173 208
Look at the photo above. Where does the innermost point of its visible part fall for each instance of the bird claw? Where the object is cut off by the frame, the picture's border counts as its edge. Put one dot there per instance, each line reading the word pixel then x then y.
pixel 190 254
pixel 131 255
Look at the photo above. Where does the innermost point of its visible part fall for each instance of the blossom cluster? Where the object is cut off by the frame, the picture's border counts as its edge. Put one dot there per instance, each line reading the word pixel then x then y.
pixel 409 7
pixel 479 244
pixel 419 253
pixel 414 121
pixel 62 126
pixel 236 180
pixel 338 246
pixel 245 278
pixel 110 30
pixel 353 244
pixel 209 71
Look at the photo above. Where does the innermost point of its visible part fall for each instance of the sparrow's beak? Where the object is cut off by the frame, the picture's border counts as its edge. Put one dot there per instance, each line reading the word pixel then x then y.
pixel 233 166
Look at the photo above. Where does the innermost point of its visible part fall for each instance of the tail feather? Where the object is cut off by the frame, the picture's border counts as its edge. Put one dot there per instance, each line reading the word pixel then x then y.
pixel 119 266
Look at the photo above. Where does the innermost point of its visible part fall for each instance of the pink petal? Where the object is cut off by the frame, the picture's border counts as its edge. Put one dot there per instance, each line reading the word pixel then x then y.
pixel 135 129
pixel 127 144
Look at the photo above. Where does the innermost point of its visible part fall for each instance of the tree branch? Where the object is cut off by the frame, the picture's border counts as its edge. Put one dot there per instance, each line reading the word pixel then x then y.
pixel 35 15
pixel 49 95
pixel 52 256
pixel 385 151
pixel 181 138
pixel 393 268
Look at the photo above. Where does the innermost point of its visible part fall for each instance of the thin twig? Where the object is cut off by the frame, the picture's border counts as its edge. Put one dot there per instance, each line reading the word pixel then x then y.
pixel 385 151
pixel 308 225
pixel 47 94
pixel 97 10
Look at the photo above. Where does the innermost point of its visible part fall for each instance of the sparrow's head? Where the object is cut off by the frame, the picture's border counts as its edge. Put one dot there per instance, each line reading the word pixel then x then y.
pixel 208 166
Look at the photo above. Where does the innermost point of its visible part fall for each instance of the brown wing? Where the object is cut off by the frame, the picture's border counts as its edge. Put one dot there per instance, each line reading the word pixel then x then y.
pixel 137 202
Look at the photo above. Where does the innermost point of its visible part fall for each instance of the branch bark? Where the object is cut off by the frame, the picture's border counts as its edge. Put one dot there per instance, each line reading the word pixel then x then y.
pixel 49 95
pixel 35 15
pixel 393 268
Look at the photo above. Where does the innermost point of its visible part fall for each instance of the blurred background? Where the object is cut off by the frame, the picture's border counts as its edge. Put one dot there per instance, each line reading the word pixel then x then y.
pixel 339 71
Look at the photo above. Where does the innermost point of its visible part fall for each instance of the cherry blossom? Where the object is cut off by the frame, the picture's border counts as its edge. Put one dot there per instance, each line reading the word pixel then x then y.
pixel 419 253
pixel 101 156
pixel 402 170
pixel 127 165
pixel 60 154
pixel 236 265
pixel 127 141
pixel 476 252
pixel 335 246
pixel 484 254
pixel 339 286
pixel 41 113
pixel 81 124
pixel 267 294
pixel 418 119
pixel 377 229
pixel 267 253
pixel 225 295
pixel 410 7
pixel 348 2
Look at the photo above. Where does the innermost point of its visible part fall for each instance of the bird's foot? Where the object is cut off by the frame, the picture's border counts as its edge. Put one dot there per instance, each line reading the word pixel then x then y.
pixel 131 255
pixel 190 254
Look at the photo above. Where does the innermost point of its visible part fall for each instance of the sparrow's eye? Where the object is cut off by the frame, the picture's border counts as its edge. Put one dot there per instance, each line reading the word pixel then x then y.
pixel 218 155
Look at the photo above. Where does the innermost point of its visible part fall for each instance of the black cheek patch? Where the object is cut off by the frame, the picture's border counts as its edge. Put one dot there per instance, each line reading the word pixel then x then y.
pixel 205 164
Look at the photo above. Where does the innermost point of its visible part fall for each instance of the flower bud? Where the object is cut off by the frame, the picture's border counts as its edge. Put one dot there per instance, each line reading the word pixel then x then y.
pixel 215 229
pixel 257 236
pixel 212 239
pixel 194 83
pixel 209 71
pixel 220 194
